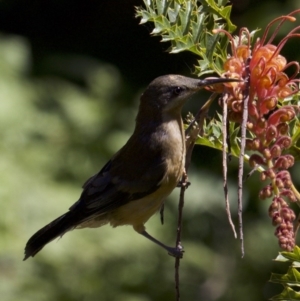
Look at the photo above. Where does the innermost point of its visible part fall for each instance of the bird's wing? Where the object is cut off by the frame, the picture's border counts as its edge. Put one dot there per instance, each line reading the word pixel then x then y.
pixel 119 182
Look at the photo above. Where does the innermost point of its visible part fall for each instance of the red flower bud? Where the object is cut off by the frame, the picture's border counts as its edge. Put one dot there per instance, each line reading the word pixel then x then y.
pixel 282 128
pixel 266 153
pixel 269 104
pixel 270 173
pixel 279 183
pixel 271 133
pixel 282 202
pixel 256 144
pixel 252 110
pixel 277 220
pixel 256 159
pixel 284 142
pixel 275 151
pixel 284 175
pixel 274 206
pixel 266 192
pixel 284 162
pixel 250 126
pixel 289 194
pixel 263 176
pixel 284 114
pixel 237 106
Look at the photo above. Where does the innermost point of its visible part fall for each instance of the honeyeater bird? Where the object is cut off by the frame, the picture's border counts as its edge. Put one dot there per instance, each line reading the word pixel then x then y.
pixel 133 185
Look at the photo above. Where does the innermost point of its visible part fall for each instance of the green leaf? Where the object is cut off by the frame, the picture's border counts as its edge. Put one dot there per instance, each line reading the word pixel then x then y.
pixel 172 13
pixel 292 256
pixel 162 6
pixel 295 133
pixel 287 294
pixel 235 142
pixel 211 42
pixel 198 27
pixel 281 258
pixel 292 278
pixel 219 10
pixel 186 17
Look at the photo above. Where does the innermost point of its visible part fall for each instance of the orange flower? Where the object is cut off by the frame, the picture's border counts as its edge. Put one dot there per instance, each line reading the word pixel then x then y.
pixel 265 83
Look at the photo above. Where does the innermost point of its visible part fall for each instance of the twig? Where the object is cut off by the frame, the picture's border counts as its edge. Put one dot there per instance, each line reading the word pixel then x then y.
pixel 178 237
pixel 241 159
pixel 241 171
pixel 191 134
pixel 224 163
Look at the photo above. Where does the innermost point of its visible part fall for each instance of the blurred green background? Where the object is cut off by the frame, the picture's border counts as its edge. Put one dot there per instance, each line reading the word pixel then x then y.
pixel 71 73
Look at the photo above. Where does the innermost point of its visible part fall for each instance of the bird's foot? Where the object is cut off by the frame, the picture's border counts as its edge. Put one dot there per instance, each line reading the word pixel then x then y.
pixel 176 252
pixel 183 184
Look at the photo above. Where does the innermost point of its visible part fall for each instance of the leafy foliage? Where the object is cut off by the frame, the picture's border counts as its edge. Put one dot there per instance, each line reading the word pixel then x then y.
pixel 213 135
pixel 188 26
pixel 290 280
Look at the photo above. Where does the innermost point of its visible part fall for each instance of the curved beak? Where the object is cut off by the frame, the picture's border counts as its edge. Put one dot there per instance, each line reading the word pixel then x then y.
pixel 218 80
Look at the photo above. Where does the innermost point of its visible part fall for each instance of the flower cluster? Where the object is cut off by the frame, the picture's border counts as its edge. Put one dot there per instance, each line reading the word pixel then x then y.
pixel 265 86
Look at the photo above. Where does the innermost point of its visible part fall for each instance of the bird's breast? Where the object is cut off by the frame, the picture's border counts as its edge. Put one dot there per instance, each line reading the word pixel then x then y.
pixel 174 150
pixel 172 142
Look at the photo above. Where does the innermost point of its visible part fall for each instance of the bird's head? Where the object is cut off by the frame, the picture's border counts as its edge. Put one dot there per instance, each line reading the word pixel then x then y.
pixel 168 93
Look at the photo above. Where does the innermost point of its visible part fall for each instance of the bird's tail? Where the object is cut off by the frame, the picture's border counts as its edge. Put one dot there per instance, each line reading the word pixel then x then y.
pixel 51 231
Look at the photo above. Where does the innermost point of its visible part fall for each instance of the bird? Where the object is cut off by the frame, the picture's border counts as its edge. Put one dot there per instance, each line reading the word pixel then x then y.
pixel 133 185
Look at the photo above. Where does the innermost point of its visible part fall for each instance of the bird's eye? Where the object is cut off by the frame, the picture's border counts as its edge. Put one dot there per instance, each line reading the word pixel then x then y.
pixel 177 90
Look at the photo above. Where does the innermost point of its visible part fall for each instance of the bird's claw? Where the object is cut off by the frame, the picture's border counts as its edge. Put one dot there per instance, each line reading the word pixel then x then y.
pixel 176 252
pixel 185 184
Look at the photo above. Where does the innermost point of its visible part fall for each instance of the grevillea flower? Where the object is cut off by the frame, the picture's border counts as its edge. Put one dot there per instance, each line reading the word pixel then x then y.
pixel 265 86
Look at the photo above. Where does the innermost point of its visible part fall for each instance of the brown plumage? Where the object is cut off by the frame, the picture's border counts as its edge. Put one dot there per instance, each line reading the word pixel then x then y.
pixel 133 185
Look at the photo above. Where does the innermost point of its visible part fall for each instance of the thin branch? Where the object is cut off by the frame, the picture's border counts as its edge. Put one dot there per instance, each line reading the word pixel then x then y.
pixel 224 163
pixel 178 237
pixel 241 159
pixel 240 176
pixel 191 134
